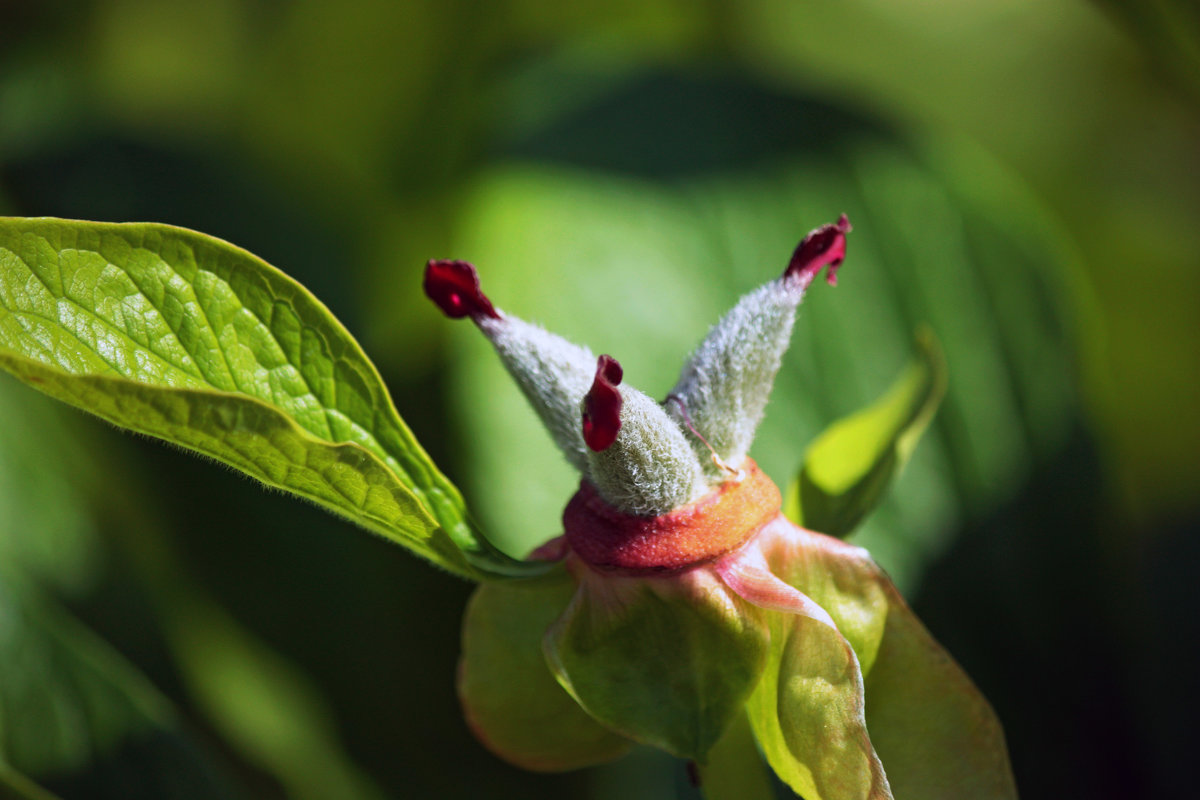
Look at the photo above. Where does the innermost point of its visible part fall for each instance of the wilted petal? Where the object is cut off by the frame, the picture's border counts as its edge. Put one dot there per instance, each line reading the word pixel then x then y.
pixel 937 735
pixel 934 732
pixel 512 702
pixel 667 661
pixel 807 712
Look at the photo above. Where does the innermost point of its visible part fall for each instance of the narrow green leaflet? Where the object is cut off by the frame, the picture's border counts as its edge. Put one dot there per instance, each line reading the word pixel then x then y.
pixel 848 468
pixel 184 337
pixel 75 718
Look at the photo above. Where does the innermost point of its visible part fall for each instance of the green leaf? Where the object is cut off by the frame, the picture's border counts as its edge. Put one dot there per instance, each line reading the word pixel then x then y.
pixel 186 338
pixel 512 701
pixel 665 661
pixel 848 468
pixel 52 476
pixel 74 713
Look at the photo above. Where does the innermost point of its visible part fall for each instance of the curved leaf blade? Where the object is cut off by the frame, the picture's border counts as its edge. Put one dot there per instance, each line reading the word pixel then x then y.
pixel 187 338
pixel 849 466
pixel 264 444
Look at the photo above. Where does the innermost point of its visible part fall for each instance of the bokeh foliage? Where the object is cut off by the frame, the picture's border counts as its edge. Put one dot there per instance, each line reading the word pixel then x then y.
pixel 1022 177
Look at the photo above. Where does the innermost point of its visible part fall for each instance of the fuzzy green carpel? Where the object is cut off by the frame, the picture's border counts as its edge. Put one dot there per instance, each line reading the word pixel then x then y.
pixel 692 603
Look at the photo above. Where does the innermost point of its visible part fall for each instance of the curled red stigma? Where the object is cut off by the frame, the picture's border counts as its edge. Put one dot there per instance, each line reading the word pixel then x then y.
pixel 602 406
pixel 454 286
pixel 825 245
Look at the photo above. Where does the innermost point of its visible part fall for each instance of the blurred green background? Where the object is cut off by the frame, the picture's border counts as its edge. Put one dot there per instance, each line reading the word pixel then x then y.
pixel 1024 177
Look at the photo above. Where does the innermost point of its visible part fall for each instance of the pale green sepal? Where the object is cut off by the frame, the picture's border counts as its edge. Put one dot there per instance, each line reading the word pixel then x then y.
pixel 933 731
pixel 735 769
pixel 848 468
pixel 807 714
pixel 510 698
pixel 665 661
pixel 938 737
pixel 839 577
pixel 174 311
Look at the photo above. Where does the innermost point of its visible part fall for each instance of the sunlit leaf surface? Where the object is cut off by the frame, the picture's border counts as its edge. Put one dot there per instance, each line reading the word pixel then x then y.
pixel 184 337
